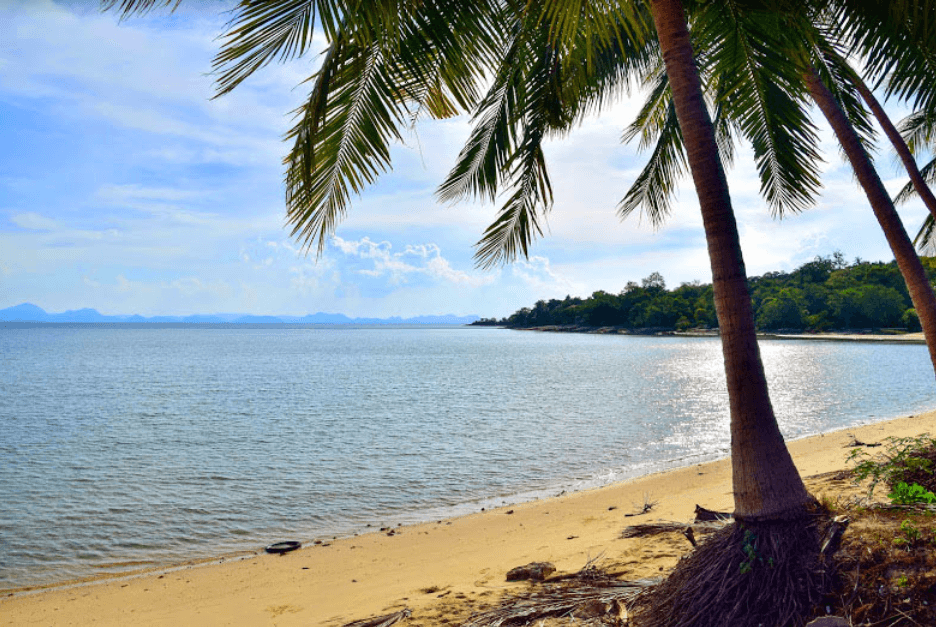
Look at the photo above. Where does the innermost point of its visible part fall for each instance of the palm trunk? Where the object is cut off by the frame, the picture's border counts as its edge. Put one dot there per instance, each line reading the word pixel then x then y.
pixel 921 292
pixel 766 484
pixel 903 151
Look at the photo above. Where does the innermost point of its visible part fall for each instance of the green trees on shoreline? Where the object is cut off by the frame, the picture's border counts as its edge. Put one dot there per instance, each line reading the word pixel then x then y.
pixel 824 294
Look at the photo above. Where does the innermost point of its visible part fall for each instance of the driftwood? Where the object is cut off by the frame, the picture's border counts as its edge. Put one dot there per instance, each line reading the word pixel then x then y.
pixel 689 530
pixel 855 442
pixel 382 621
pixel 652 529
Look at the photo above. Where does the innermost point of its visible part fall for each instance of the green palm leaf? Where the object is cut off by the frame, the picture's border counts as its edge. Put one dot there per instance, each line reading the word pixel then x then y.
pixel 656 123
pixel 127 8
pixel 919 130
pixel 261 32
pixel 907 192
pixel 372 83
pixel 341 141
pixel 754 55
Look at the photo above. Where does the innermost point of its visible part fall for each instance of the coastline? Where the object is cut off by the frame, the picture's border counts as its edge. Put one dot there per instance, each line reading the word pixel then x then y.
pixel 826 336
pixel 435 569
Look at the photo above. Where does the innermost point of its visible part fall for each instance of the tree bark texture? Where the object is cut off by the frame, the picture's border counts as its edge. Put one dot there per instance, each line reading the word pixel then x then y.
pixel 766 484
pixel 903 151
pixel 921 292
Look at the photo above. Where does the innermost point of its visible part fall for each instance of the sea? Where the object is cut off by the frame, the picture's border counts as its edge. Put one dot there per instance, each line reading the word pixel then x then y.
pixel 127 447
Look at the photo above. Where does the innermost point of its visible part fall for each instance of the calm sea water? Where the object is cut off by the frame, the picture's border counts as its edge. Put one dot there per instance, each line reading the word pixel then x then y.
pixel 130 447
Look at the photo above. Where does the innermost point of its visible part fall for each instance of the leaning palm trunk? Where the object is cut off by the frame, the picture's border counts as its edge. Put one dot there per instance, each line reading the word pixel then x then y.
pixel 903 151
pixel 766 484
pixel 921 292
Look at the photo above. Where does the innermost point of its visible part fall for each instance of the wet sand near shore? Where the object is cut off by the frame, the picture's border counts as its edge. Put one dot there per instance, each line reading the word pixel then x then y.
pixel 440 570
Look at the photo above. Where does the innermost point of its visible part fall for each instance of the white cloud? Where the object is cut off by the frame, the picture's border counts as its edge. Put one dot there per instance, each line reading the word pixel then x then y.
pixel 540 277
pixel 34 221
pixel 423 260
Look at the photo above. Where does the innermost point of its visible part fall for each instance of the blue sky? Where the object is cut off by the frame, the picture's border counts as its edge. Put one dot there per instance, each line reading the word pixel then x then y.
pixel 125 188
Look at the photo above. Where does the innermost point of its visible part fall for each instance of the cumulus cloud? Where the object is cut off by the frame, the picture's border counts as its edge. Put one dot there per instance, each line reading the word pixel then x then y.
pixel 415 260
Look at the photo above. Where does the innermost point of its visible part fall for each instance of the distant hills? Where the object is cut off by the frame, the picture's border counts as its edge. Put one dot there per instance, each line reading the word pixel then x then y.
pixel 28 312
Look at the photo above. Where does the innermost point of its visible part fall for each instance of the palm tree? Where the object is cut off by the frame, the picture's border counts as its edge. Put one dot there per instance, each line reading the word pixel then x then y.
pixel 917 180
pixel 770 113
pixel 918 285
pixel 897 43
pixel 765 481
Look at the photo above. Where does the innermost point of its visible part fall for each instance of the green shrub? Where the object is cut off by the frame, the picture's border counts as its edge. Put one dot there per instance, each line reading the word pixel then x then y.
pixel 904 494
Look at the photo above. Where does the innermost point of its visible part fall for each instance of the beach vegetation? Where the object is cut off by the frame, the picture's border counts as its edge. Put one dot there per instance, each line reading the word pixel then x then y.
pixel 907 466
pixel 908 494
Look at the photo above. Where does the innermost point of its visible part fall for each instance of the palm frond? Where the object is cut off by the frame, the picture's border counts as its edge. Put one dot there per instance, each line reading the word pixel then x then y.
pixel 446 48
pixel 754 54
pixel 588 26
pixel 897 42
pixel 537 107
pixel 919 130
pixel 518 221
pixel 481 162
pixel 830 63
pixel 726 128
pixel 261 32
pixel 908 191
pixel 598 70
pixel 652 116
pixel 128 8
pixel 371 84
pixel 341 141
pixel 925 240
pixel 654 188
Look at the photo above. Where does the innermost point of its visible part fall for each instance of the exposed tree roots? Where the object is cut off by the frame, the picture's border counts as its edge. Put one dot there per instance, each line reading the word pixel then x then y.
pixel 745 575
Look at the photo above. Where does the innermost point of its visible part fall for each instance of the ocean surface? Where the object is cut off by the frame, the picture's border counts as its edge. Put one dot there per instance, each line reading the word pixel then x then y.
pixel 123 448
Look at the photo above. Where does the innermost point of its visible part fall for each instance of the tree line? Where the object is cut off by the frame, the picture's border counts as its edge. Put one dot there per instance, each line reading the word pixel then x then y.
pixel 824 294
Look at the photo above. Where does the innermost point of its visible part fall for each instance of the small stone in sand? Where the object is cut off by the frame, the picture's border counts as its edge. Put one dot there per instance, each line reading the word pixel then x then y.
pixel 534 571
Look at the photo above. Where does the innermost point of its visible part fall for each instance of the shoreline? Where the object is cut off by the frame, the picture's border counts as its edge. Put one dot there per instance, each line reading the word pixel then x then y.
pixel 822 336
pixel 460 560
pixel 559 489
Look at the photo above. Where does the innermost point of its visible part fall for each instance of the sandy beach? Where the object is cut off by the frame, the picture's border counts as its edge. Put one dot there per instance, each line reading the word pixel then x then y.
pixel 439 570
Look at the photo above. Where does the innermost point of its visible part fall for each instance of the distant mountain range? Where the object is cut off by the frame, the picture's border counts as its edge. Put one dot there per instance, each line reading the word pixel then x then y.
pixel 28 312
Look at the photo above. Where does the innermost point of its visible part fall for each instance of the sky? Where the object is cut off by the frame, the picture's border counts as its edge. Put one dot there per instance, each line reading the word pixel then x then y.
pixel 126 188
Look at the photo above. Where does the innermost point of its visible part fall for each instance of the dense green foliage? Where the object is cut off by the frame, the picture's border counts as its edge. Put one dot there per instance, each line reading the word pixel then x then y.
pixel 826 293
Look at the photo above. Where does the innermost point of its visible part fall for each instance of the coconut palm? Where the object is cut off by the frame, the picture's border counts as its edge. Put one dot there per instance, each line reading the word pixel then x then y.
pixel 897 42
pixel 918 285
